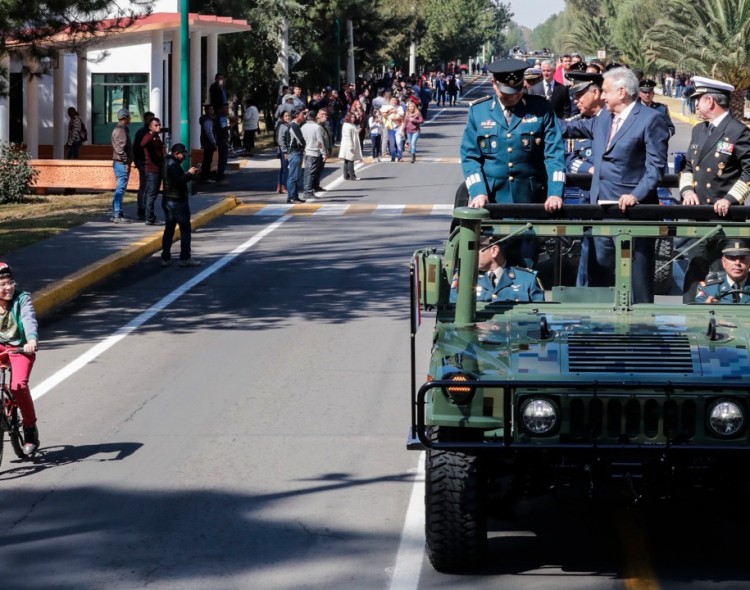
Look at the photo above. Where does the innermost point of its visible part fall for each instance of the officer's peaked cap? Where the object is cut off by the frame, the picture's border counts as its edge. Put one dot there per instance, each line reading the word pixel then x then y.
pixel 705 85
pixel 736 248
pixel 509 74
pixel 583 80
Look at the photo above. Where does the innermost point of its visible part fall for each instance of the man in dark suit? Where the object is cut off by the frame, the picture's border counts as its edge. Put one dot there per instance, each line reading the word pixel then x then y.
pixel 717 168
pixel 557 94
pixel 629 154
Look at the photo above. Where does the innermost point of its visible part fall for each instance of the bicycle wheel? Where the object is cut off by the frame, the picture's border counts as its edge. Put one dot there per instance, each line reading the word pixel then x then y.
pixel 15 433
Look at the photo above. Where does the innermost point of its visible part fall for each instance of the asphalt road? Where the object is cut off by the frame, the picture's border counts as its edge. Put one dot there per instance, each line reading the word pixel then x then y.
pixel 243 425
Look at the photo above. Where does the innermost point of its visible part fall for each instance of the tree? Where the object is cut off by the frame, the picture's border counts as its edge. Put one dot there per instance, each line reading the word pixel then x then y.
pixel 709 37
pixel 458 28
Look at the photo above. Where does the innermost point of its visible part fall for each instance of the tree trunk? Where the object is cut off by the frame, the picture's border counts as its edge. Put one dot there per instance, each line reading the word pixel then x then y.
pixel 737 104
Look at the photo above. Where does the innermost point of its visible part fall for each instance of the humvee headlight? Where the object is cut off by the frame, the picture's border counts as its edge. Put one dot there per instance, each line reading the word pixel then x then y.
pixel 539 416
pixel 726 418
pixel 460 394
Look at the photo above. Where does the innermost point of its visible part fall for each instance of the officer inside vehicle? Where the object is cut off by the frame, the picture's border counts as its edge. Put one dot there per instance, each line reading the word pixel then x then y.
pixel 730 285
pixel 497 280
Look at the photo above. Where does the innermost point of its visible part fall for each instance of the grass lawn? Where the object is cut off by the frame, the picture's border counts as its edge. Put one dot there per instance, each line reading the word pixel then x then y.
pixel 40 217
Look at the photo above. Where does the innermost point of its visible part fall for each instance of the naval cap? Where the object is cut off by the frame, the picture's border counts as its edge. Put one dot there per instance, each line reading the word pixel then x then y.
pixel 581 81
pixel 509 74
pixel 706 85
pixel 736 248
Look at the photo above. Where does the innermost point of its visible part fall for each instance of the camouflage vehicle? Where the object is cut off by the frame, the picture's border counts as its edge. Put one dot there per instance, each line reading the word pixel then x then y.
pixel 583 394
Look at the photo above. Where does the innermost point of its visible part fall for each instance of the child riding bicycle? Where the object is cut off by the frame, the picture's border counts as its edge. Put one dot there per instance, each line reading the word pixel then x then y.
pixel 18 329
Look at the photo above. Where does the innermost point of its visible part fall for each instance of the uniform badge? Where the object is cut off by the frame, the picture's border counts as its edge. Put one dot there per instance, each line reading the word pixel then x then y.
pixel 525 142
pixel 530 119
pixel 724 147
pixel 515 287
pixel 587 153
pixel 494 144
pixel 488 124
pixel 538 141
pixel 721 165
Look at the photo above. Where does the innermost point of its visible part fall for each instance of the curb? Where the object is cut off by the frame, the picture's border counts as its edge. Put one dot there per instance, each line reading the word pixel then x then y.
pixel 49 298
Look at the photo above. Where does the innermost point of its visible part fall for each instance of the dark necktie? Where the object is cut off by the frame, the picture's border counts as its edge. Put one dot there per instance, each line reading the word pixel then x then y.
pixel 493 279
pixel 548 92
pixel 736 296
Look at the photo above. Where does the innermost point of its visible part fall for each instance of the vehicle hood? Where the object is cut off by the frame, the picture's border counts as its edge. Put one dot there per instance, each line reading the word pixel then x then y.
pixel 601 345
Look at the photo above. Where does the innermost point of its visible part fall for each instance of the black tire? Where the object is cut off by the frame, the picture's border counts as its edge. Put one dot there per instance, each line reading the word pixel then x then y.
pixel 2 436
pixel 16 434
pixel 663 277
pixel 455 511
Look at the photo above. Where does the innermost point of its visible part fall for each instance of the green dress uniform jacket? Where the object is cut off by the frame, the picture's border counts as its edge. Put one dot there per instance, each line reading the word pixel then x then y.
pixel 718 283
pixel 718 163
pixel 521 161
pixel 515 284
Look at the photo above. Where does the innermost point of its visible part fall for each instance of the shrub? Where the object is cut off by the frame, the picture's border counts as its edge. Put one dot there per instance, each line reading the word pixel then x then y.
pixel 16 173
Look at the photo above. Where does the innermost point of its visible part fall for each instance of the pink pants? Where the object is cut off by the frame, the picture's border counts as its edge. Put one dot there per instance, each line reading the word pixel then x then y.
pixel 21 365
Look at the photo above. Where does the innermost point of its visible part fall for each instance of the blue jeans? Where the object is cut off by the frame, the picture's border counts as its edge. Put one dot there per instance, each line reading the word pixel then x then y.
pixel 122 175
pixel 393 146
pixel 153 182
pixel 176 213
pixel 284 170
pixel 377 149
pixel 295 167
pixel 222 164
pixel 413 138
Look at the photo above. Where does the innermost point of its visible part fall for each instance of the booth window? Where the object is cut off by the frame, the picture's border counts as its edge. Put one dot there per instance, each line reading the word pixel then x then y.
pixel 112 92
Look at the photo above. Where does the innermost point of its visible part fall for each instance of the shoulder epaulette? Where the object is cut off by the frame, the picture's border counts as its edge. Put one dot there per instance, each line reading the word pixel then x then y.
pixel 524 269
pixel 714 278
pixel 478 100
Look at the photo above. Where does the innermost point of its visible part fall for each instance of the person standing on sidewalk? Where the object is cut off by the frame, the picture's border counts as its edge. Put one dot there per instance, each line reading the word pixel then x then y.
pixel 314 153
pixel 176 208
pixel 282 126
pixel 350 150
pixel 208 141
pixel 295 147
pixel 154 151
pixel 122 158
pixel 19 329
pixel 221 132
pixel 327 148
pixel 140 163
pixel 250 121
pixel 75 134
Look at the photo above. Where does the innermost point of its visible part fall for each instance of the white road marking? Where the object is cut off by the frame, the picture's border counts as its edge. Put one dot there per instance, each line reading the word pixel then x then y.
pixel 442 210
pixel 54 380
pixel 388 210
pixel 411 548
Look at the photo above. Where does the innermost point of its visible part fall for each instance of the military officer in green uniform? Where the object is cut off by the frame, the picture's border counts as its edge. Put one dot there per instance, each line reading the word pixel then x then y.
pixel 499 281
pixel 646 94
pixel 512 149
pixel 731 285
pixel 717 168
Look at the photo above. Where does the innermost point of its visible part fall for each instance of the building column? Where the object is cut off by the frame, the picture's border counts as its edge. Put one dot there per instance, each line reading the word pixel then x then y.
pixel 59 125
pixel 176 83
pixel 31 113
pixel 195 90
pixel 157 80
pixel 212 59
pixel 5 103
pixel 82 89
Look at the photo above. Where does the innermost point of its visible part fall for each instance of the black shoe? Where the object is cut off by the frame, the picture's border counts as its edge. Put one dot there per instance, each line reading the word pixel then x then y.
pixel 295 201
pixel 31 438
pixel 319 189
pixel 155 222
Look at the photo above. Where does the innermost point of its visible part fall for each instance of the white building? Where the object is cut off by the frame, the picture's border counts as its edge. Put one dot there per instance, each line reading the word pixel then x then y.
pixel 137 68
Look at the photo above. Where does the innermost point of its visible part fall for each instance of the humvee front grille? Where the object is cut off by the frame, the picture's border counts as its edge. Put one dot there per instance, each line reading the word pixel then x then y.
pixel 638 419
pixel 629 353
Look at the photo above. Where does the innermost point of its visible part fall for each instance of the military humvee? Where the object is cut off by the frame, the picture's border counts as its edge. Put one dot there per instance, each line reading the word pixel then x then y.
pixel 585 393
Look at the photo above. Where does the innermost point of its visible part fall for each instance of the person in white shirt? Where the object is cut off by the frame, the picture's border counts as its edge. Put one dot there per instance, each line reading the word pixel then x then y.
pixel 250 121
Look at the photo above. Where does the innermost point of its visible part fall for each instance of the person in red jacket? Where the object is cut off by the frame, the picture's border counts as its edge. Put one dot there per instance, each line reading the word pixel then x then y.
pixel 153 147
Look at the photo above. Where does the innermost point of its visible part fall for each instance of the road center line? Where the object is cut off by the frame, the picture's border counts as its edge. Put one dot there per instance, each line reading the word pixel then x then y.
pixel 100 348
pixel 411 548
